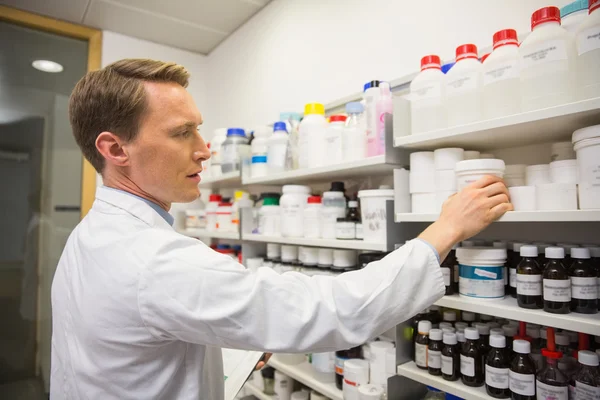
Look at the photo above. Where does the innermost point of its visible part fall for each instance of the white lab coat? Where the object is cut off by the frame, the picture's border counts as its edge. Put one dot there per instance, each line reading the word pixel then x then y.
pixel 141 311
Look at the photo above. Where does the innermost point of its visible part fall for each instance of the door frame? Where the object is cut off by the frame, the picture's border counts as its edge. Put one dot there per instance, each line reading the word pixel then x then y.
pixel 94 39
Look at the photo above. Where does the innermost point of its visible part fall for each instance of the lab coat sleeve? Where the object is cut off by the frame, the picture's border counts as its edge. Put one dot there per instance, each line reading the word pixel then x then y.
pixel 193 294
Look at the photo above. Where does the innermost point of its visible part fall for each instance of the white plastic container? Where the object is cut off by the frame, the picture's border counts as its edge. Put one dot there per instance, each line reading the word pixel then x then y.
pixel 224 223
pixel 423 203
pixel 547 60
pixel 470 171
pixel 589 196
pixel 481 272
pixel 422 163
pixel 370 392
pixel 211 211
pixel 501 82
pixel 354 138
pixel 283 386
pixel 445 181
pixel 421 183
pixel 586 143
pixel 289 253
pixel 373 210
pixel 334 207
pixel 401 190
pixel 573 14
pixel 292 204
pixel 440 198
pixel 269 218
pixel 446 159
pixel 514 175
pixel 278 146
pixel 427 106
pixel 344 258
pixel 216 144
pixel 471 155
pixel 556 196
pixel 259 148
pixel 588 53
pixel 383 107
pixel 370 99
pixel 564 171
pixel 562 151
pixel 333 140
pixel 241 200
pixel 377 365
pixel 325 258
pixel 537 174
pixel 356 374
pixel 308 255
pixel 464 87
pixel 311 217
pixel 310 136
pixel 523 198
pixel 324 366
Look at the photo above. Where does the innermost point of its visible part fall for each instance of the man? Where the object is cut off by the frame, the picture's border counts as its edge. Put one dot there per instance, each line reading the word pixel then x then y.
pixel 141 312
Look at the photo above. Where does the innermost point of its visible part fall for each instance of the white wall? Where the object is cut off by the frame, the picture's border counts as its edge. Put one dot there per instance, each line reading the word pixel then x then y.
pixel 293 52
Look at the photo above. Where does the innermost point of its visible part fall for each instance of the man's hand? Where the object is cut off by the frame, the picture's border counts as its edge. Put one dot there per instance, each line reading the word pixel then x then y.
pixel 264 361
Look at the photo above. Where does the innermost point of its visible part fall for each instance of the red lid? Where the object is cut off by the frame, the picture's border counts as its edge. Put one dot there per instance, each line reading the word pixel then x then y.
pixel 483 57
pixel 224 204
pixel 314 200
pixel 224 251
pixel 337 118
pixel 431 61
pixel 594 5
pixel 466 51
pixel 545 14
pixel 215 197
pixel 504 37
pixel 552 354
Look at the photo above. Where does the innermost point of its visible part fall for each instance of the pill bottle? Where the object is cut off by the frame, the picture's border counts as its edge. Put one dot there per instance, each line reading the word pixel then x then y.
pixel 584 283
pixel 529 279
pixel 471 367
pixel 451 357
pixel 422 343
pixel 557 285
pixel 434 352
pixel 497 364
pixel 521 377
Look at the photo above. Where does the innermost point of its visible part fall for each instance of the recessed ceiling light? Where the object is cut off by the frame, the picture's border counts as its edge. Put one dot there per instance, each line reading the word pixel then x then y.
pixel 47 66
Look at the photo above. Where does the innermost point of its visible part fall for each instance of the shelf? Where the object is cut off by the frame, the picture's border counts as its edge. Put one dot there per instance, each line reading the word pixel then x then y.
pixel 203 233
pixel 329 243
pixel 508 308
pixel 253 390
pixel 304 373
pixel 540 126
pixel 228 180
pixel 360 168
pixel 518 216
pixel 456 388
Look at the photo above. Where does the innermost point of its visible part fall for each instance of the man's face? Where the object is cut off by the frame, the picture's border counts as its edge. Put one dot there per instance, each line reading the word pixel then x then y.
pixel 167 154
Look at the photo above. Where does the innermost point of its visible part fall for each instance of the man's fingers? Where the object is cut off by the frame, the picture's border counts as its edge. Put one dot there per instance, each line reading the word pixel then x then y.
pixel 493 201
pixel 495 189
pixel 485 181
pixel 499 210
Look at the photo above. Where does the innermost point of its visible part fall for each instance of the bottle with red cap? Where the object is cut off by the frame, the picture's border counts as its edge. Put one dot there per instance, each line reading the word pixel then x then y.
pixel 501 82
pixel 547 60
pixel 333 140
pixel 428 110
pixel 464 87
pixel 551 382
pixel 588 53
pixel 211 211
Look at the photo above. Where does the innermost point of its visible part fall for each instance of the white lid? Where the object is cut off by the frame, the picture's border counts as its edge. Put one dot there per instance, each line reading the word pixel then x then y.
pixel 289 252
pixel 481 253
pixel 325 256
pixel 461 326
pixel 445 325
pixel 344 258
pixel 220 132
pixel 533 331
pixel 460 336
pixel 580 253
pixel 512 322
pixel 498 341
pixel 295 189
pixel 424 327
pixel 314 395
pixel 333 195
pixel 594 251
pixel 477 164
pixel 587 357
pixel 517 246
pixel 273 250
pixel 538 167
pixel 449 330
pixel 353 204
pixel 529 251
pixel 561 339
pixel 356 370
pixel 485 317
pixel 450 316
pixel 487 155
pixel 421 154
pixel 521 346
pixel 497 331
pixel 472 334
pixel 493 325
pixel 509 330
pixel 555 252
pixel 468 316
pixel 300 395
pixel 563 164
pixel 370 392
pixel 483 329
pixel 376 193
pixel 586 133
pixel 435 334
pixel 515 169
pixel 381 346
pixel 450 338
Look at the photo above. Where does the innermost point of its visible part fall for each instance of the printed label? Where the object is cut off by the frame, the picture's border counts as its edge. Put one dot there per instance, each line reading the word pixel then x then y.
pixel 571 392
pixel 506 70
pixel 446 274
pixel 496 377
pixel 421 355
pixel 339 365
pixel 513 277
pixel 529 285
pixel 460 84
pixel 447 365
pixel 359 231
pixel 345 232
pixel 523 384
pixel 434 359
pixel 547 392
pixel 557 290
pixel 481 282
pixel 467 366
pixel 588 40
pixel 432 90
pixel 552 50
pixel 586 392
pixel 584 288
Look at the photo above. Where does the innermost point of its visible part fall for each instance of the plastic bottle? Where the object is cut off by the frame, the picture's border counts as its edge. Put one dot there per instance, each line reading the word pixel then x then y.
pixel 450 358
pixel 573 14
pixel 334 207
pixel 471 367
pixel 557 285
pixel 547 59
pixel 551 383
pixel 370 97
pixel 310 136
pixel 278 145
pixel 340 358
pixel 354 138
pixel 259 148
pixel 384 106
pixel 292 204
pixel 434 352
pixel 427 94
pixel 216 144
pixel 292 123
pixel 584 284
pixel 464 87
pixel 234 148
pixel 521 377
pixel 529 279
pixel 333 140
pixel 588 53
pixel 587 378
pixel 241 200
pixel 421 344
pixel 501 82
pixel 224 217
pixel 211 211
pixel 311 217
pixel 269 218
pixel 496 368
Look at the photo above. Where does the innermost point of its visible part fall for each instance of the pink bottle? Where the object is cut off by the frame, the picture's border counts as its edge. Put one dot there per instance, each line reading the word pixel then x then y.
pixel 383 106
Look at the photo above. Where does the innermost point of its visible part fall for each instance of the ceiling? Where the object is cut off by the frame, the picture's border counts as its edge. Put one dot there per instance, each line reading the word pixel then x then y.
pixel 194 25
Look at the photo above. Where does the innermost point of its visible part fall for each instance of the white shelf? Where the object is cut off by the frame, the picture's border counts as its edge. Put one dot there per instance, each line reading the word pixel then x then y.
pixel 360 168
pixel 508 308
pixel 456 388
pixel 518 216
pixel 329 243
pixel 304 373
pixel 540 126
pixel 203 233
pixel 228 180
pixel 253 390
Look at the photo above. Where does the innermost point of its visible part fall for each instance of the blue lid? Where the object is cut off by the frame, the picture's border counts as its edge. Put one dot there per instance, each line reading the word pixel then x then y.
pixel 453 397
pixel 284 116
pixel 237 247
pixel 223 246
pixel 259 159
pixel 279 126
pixel 432 389
pixel 370 84
pixel 577 5
pixel 236 132
pixel 446 67
pixel 354 107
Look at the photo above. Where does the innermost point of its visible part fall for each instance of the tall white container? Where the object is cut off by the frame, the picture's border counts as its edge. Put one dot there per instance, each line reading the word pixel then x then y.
pixel 259 148
pixel 333 140
pixel 370 98
pixel 292 204
pixel 588 53
pixel 278 148
pixel 310 136
pixel 501 82
pixel 547 60
pixel 355 133
pixel 427 97
pixel 573 14
pixel 464 87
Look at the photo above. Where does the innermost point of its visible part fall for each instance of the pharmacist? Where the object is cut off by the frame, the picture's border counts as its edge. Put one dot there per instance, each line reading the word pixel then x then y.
pixel 141 312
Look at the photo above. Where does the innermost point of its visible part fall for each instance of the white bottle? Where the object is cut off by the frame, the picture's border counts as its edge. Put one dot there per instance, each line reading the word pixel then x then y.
pixel 587 38
pixel 292 122
pixel 292 204
pixel 547 60
pixel 383 106
pixel 334 207
pixel 573 14
pixel 259 148
pixel 311 218
pixel 310 136
pixel 370 98
pixel 211 211
pixel 464 84
pixel 427 95
pixel 501 82
pixel 269 217
pixel 215 151
pixel 354 138
pixel 241 200
pixel 278 148
pixel 333 140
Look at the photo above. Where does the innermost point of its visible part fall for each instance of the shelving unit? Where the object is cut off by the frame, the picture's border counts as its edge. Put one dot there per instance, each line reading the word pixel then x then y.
pixel 330 243
pixel 518 216
pixel 203 233
pixel 253 390
pixel 228 180
pixel 304 373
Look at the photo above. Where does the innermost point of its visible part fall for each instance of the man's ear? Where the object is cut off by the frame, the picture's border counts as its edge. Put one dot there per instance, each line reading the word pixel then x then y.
pixel 111 148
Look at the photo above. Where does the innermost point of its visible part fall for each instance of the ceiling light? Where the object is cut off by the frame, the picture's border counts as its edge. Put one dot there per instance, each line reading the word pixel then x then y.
pixel 47 66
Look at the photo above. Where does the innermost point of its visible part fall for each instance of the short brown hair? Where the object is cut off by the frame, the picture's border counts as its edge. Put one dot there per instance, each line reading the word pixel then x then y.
pixel 113 99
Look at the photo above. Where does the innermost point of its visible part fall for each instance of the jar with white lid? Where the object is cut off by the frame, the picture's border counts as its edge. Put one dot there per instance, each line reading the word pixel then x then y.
pixel 259 148
pixel 195 219
pixel 224 223
pixel 481 272
pixel 427 94
pixel 537 174
pixel 464 87
pixel 586 142
pixel 289 253
pixel 562 151
pixel 311 216
pixel 588 53
pixel 469 171
pixel 269 217
pixel 564 171
pixel 211 211
pixel 310 136
pixel 325 258
pixel 373 210
pixel 334 207
pixel 278 145
pixel 333 139
pixel 292 204
pixel 308 256
pixel 344 259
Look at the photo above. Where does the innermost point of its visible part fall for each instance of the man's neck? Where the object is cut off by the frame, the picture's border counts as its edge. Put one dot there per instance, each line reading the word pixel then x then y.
pixel 124 183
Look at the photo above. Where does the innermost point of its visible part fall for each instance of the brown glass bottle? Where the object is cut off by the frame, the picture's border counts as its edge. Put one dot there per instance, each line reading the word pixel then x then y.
pixel 422 343
pixel 484 341
pixel 529 279
pixel 557 285
pixel 584 283
pixel 587 377
pixel 521 377
pixel 448 266
pixel 340 357
pixel 434 352
pixel 595 253
pixel 415 331
pixel 451 358
pixel 471 368
pixel 496 368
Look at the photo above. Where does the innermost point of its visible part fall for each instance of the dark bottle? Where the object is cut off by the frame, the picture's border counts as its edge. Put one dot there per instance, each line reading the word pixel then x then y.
pixel 595 253
pixel 529 279
pixel 448 266
pixel 542 260
pixel 533 331
pixel 587 377
pixel 471 367
pixel 468 317
pixel 512 268
pixel 422 343
pixel 557 285
pixel 484 342
pixel 584 283
pixel 510 331
pixel 550 382
pixel 496 368
pixel 434 352
pixel 353 214
pixel 566 364
pixel 268 374
pixel 435 316
pixel 521 377
pixel 415 331
pixel 461 326
pixel 450 358
pixel 451 258
pixel 340 358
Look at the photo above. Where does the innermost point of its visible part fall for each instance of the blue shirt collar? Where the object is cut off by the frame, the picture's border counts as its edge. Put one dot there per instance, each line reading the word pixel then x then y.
pixel 161 211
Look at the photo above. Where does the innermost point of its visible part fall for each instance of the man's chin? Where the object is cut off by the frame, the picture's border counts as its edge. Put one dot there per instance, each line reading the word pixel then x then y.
pixel 188 196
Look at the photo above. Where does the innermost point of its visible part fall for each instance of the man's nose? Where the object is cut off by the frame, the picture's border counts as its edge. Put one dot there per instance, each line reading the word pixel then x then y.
pixel 203 152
